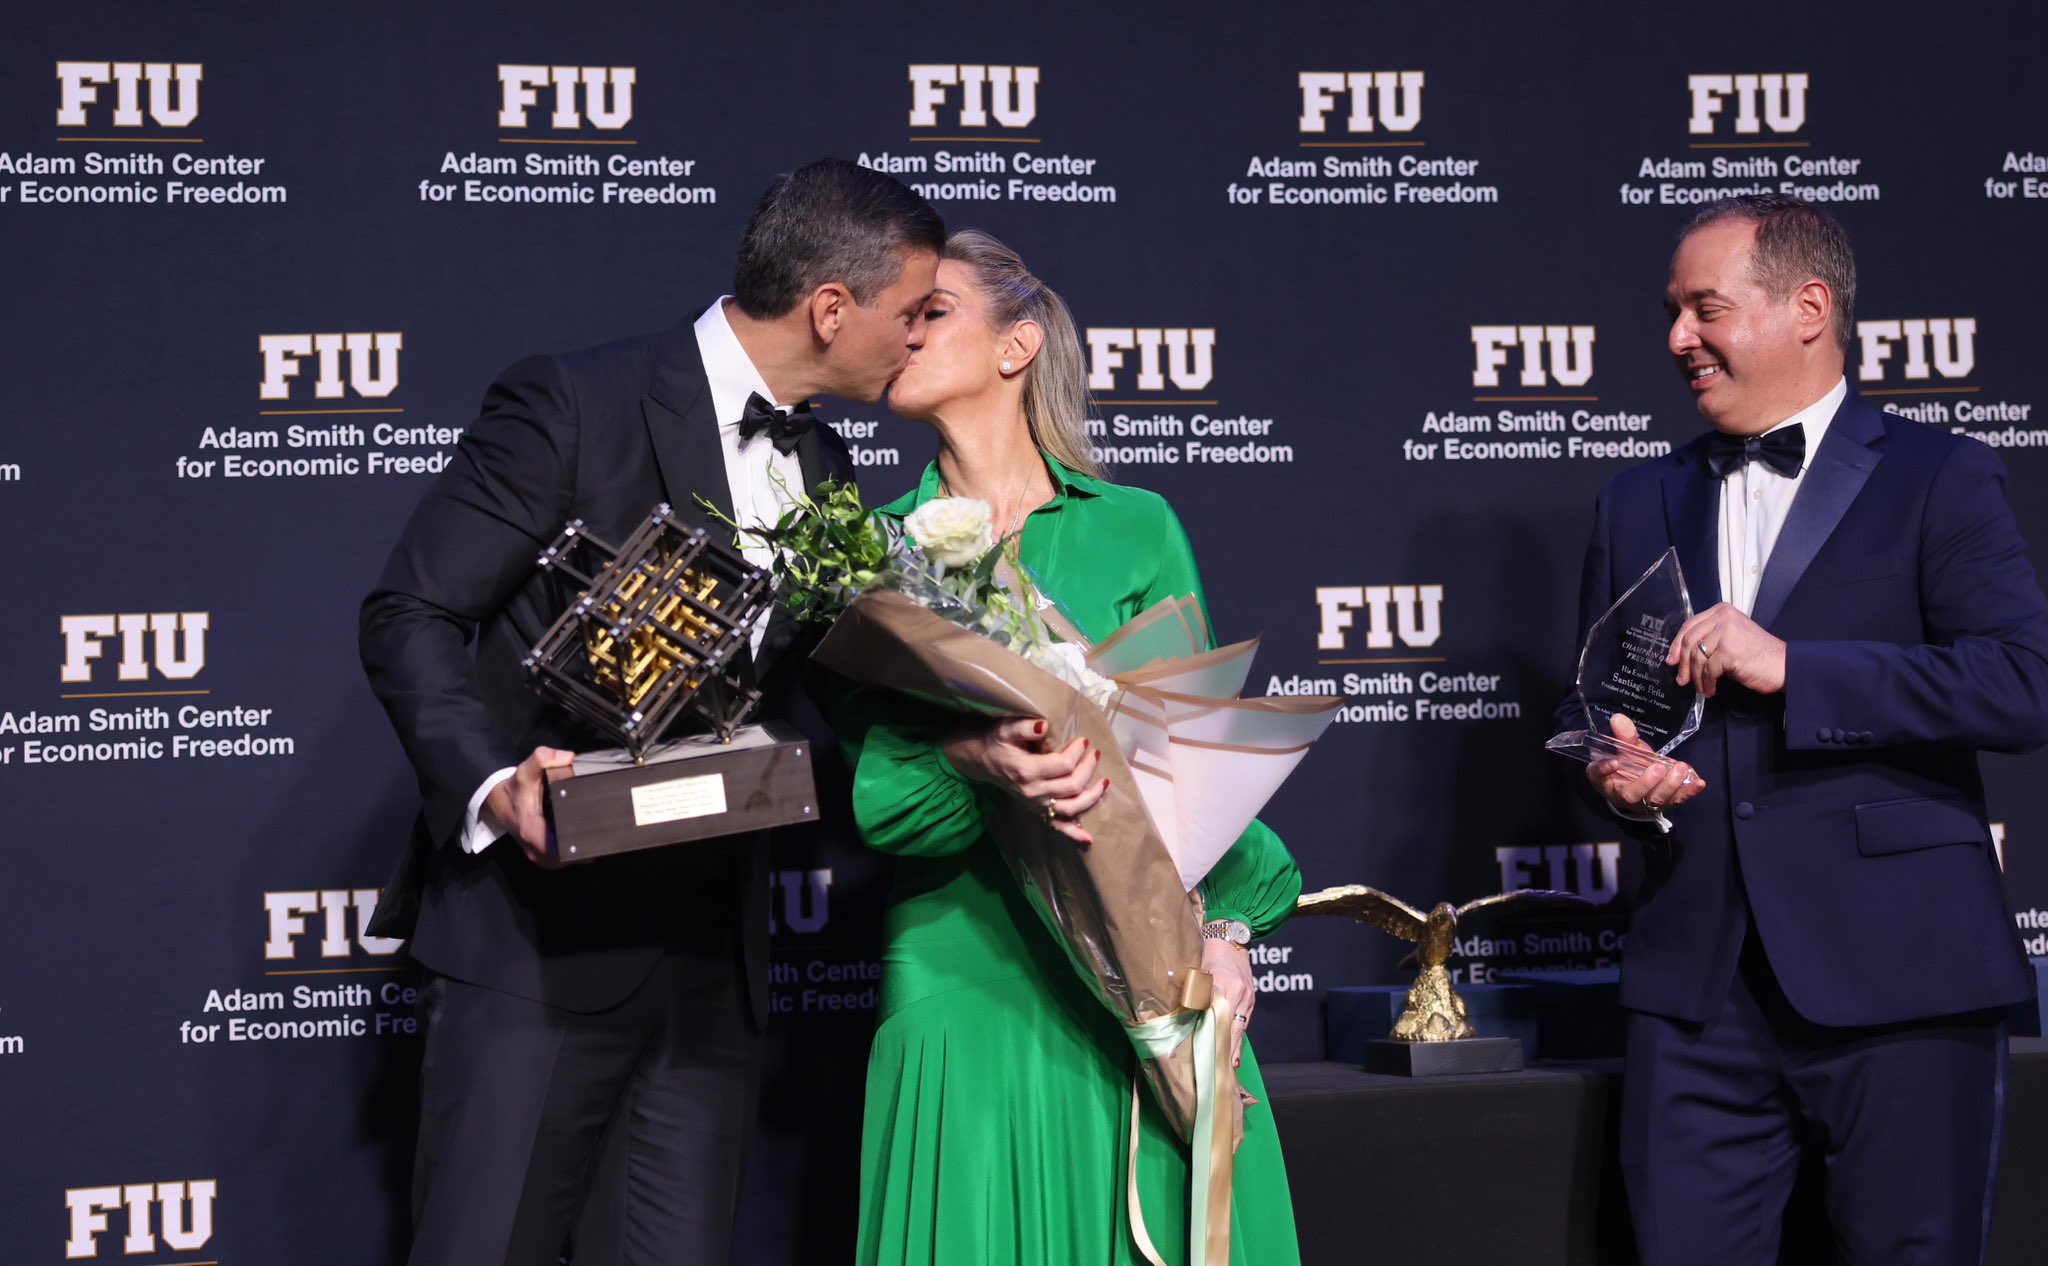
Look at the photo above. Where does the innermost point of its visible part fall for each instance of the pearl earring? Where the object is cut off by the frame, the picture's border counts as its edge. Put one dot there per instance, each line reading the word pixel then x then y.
pixel 1006 367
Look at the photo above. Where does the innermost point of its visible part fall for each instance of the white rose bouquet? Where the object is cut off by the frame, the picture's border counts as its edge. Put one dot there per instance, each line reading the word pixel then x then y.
pixel 829 549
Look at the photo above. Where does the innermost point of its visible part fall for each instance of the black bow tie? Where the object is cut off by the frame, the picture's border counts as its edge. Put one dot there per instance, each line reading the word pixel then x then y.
pixel 784 429
pixel 1783 450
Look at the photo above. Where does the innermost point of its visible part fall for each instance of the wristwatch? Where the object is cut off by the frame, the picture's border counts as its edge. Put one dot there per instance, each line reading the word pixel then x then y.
pixel 1227 930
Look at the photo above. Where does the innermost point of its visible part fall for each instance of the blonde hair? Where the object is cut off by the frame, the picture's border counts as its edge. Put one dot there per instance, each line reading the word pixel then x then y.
pixel 1056 381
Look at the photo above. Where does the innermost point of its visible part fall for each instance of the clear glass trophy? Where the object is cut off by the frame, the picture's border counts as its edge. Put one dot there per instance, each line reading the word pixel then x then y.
pixel 1622 670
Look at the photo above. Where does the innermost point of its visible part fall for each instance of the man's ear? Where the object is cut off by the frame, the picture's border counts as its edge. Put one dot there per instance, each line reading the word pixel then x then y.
pixel 828 307
pixel 1813 305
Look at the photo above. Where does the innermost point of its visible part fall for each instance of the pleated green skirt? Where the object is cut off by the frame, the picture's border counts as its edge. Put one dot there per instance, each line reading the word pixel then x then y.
pixel 999 1101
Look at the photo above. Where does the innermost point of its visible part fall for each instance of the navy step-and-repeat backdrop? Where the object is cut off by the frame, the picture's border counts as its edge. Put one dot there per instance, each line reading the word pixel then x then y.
pixel 1372 293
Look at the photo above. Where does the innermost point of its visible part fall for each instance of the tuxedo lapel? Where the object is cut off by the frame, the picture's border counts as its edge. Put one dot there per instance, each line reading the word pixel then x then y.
pixel 683 428
pixel 682 425
pixel 1840 468
pixel 809 459
pixel 1692 506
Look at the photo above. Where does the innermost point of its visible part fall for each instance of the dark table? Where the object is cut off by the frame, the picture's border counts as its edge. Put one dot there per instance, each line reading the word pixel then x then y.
pixel 1519 1169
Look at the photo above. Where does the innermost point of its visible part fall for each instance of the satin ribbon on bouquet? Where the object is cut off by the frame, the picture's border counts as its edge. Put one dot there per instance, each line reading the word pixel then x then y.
pixel 1212 1152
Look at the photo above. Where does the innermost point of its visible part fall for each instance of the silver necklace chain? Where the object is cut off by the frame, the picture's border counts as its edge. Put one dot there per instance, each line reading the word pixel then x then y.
pixel 1017 505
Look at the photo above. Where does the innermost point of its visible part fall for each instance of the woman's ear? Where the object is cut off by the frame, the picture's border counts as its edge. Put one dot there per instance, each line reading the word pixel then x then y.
pixel 1022 345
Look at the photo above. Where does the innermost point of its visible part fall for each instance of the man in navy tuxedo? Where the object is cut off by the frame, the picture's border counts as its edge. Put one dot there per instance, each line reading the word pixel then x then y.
pixel 593 1032
pixel 1821 954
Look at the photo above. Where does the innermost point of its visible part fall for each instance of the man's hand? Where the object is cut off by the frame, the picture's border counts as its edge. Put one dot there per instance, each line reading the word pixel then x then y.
pixel 1011 754
pixel 516 804
pixel 1640 782
pixel 1722 642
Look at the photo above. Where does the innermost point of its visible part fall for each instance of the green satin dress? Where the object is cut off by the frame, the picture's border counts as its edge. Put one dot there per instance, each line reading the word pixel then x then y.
pixel 999 1089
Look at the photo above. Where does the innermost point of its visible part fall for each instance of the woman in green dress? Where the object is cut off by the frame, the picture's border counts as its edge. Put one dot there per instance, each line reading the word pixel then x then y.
pixel 999 1090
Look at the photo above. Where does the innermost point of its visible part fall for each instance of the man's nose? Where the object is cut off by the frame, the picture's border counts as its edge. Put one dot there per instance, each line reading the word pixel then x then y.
pixel 1683 338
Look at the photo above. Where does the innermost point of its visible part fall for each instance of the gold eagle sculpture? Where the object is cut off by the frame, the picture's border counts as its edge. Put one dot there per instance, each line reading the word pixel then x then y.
pixel 1435 1012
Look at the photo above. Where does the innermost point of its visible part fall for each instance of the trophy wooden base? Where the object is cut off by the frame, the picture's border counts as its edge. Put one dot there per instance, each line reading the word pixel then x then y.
pixel 1438 1059
pixel 694 788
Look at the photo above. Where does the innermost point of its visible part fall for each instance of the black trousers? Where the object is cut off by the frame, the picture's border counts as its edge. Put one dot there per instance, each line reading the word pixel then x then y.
pixel 1715 1118
pixel 616 1138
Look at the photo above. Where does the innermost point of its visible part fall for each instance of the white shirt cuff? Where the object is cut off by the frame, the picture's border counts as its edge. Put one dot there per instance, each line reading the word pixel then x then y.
pixel 479 832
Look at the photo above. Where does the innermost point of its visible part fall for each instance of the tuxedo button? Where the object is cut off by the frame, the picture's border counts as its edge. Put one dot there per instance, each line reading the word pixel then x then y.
pixel 1826 735
pixel 1866 737
pixel 1840 736
pixel 1745 810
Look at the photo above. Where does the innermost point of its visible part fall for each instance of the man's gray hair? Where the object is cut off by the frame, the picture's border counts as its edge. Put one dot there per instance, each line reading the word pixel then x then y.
pixel 1796 242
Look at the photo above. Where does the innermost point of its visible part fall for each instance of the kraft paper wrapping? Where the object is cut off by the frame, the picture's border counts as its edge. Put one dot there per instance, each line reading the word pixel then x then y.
pixel 1119 909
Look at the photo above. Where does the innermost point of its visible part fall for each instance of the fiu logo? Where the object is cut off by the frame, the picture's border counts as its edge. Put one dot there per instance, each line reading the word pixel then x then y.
pixel 1413 612
pixel 343 913
pixel 1952 342
pixel 1783 100
pixel 1189 359
pixel 179 1214
pixel 173 643
pixel 171 88
pixel 372 364
pixel 1591 870
pixel 603 95
pixel 805 900
pixel 1397 94
pixel 1560 353
pixel 1009 93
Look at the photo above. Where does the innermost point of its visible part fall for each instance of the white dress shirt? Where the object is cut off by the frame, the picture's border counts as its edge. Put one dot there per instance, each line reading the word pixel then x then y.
pixel 1756 499
pixel 756 495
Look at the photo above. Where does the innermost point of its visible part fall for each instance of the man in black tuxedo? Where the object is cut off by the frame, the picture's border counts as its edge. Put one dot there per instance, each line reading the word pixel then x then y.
pixel 592 1032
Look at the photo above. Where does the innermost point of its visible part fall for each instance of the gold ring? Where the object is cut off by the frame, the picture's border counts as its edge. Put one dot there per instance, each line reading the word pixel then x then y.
pixel 1051 814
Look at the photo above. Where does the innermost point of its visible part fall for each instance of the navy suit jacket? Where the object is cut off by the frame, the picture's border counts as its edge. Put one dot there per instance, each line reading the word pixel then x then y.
pixel 603 435
pixel 1846 814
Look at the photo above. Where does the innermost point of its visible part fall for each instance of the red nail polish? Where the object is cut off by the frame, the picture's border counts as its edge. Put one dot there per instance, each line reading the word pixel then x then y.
pixel 1105 784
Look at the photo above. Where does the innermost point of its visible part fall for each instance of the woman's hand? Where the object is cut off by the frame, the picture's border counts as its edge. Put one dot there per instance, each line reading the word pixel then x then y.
pixel 1011 754
pixel 1230 968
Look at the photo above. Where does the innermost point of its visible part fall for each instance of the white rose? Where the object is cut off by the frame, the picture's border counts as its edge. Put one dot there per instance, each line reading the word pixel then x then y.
pixel 953 531
pixel 1068 662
